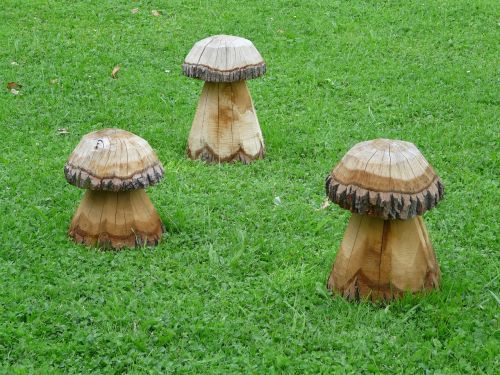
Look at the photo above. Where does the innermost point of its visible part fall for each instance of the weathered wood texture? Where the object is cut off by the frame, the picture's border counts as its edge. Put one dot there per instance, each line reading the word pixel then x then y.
pixel 381 259
pixel 225 126
pixel 116 220
pixel 224 58
pixel 385 178
pixel 113 160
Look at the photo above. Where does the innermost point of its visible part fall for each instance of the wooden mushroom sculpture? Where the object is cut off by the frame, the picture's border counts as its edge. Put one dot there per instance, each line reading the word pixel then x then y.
pixel 115 166
pixel 386 250
pixel 225 127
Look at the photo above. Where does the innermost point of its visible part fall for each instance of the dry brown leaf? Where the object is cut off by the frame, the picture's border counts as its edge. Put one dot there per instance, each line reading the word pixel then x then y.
pixel 62 131
pixel 13 85
pixel 115 71
pixel 135 10
pixel 155 13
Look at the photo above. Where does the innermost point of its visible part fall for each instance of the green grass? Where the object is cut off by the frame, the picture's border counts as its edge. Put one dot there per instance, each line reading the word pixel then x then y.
pixel 238 283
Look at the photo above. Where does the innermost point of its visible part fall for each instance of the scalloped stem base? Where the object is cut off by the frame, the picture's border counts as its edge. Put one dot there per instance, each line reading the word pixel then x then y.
pixel 382 259
pixel 225 127
pixel 116 220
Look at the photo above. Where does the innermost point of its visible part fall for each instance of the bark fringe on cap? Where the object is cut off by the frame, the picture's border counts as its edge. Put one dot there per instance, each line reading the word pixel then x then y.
pixel 386 178
pixel 113 160
pixel 224 58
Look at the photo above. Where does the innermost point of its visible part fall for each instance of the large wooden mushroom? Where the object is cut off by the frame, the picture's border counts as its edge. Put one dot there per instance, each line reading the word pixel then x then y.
pixel 225 127
pixel 386 250
pixel 115 166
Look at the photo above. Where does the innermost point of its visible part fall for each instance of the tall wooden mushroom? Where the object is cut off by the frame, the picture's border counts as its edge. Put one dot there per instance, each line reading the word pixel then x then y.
pixel 115 166
pixel 225 127
pixel 386 250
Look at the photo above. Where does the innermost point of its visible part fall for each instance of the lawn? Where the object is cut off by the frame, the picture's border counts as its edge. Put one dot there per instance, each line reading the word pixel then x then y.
pixel 238 282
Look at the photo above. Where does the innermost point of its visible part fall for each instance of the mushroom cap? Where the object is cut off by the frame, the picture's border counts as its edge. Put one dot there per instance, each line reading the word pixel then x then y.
pixel 224 58
pixel 386 178
pixel 113 160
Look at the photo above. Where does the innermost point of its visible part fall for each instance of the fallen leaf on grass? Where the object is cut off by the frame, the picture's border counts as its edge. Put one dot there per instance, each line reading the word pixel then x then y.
pixel 115 71
pixel 135 10
pixel 13 85
pixel 155 13
pixel 62 131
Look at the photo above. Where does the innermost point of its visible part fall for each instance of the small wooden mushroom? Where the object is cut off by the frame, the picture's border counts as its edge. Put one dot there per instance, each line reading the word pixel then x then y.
pixel 386 250
pixel 115 166
pixel 225 127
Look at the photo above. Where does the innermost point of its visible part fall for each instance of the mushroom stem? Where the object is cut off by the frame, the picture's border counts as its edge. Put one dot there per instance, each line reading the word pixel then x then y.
pixel 116 220
pixel 225 127
pixel 382 259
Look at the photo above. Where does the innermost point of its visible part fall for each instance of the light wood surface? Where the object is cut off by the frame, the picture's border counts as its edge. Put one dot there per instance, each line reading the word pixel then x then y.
pixel 113 160
pixel 116 220
pixel 381 259
pixel 224 58
pixel 225 126
pixel 386 178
